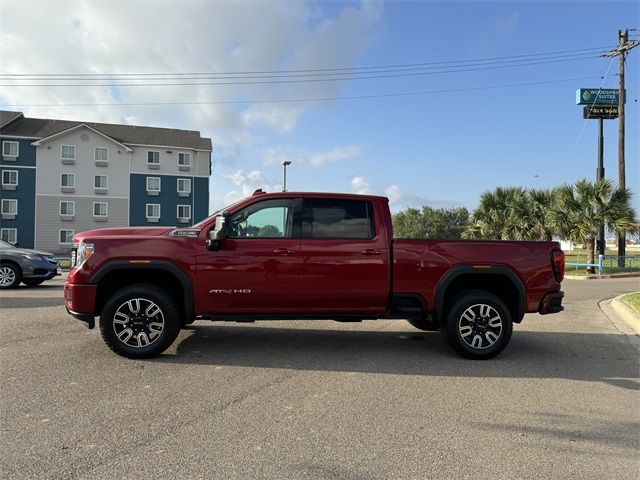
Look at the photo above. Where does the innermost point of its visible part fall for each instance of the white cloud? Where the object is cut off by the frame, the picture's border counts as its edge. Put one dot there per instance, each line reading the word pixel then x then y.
pixel 83 37
pixel 276 155
pixel 246 183
pixel 360 185
pixel 335 155
pixel 394 194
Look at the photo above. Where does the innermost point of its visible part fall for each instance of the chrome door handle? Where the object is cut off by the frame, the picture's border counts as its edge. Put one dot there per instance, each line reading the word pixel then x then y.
pixel 371 251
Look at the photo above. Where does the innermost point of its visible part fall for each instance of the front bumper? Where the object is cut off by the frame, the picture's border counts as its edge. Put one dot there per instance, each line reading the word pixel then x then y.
pixel 79 300
pixel 39 270
pixel 551 303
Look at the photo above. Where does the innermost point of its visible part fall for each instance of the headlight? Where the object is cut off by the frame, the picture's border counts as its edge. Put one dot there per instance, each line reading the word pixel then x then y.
pixel 32 256
pixel 81 253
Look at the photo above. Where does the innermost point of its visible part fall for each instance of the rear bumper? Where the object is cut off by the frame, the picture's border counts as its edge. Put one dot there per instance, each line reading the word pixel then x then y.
pixel 551 303
pixel 79 301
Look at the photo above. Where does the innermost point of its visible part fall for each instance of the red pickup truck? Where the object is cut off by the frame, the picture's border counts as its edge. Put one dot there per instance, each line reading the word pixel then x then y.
pixel 305 256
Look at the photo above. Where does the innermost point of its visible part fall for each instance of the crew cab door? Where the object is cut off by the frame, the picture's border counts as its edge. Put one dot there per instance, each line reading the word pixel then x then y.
pixel 255 269
pixel 344 261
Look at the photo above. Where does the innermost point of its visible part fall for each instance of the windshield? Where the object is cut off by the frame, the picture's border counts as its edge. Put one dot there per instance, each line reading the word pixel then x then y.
pixel 4 245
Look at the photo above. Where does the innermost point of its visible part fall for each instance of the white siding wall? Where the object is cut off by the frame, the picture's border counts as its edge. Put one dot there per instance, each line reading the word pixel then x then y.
pixel 49 194
pixel 50 165
pixel 169 161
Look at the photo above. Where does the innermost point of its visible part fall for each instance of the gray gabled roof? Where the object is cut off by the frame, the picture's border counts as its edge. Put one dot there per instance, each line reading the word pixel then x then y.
pixel 7 117
pixel 126 134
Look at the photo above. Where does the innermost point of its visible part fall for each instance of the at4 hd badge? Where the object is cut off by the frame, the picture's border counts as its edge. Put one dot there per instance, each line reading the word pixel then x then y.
pixel 229 291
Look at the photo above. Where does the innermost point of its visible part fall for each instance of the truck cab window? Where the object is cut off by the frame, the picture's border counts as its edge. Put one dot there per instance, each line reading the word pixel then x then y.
pixel 337 218
pixel 268 219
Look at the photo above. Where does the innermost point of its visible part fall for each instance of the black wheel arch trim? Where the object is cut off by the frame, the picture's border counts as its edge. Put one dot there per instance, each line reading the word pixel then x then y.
pixel 172 268
pixel 497 270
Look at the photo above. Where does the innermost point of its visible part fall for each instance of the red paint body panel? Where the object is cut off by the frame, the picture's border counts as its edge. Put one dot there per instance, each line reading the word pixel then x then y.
pixel 421 264
pixel 319 276
pixel 80 298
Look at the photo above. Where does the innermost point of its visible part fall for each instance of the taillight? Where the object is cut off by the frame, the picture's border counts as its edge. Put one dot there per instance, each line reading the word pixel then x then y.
pixel 557 261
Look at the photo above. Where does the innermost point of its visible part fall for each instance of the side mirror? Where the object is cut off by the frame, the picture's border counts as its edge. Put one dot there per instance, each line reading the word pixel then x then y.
pixel 217 233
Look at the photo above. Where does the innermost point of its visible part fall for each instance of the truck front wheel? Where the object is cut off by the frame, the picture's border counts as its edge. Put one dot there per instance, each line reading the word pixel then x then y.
pixel 139 321
pixel 478 324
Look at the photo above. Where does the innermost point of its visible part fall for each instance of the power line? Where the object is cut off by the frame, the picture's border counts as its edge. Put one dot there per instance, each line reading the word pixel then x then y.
pixel 335 69
pixel 130 77
pixel 302 100
pixel 306 80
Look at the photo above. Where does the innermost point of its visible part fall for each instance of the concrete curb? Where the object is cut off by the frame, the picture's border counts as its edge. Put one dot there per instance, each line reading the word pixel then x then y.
pixel 601 277
pixel 626 313
pixel 620 324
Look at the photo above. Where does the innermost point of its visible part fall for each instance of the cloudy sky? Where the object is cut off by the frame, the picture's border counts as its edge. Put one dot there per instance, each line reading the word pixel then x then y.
pixel 418 136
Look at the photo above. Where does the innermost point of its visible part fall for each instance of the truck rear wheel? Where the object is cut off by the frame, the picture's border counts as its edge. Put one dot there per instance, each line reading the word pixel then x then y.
pixel 140 321
pixel 478 325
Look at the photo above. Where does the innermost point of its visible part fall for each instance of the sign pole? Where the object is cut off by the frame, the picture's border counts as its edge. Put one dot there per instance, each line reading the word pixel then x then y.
pixel 601 241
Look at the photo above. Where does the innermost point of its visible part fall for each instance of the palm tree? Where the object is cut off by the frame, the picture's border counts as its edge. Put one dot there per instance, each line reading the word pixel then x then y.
pixel 491 217
pixel 528 216
pixel 579 210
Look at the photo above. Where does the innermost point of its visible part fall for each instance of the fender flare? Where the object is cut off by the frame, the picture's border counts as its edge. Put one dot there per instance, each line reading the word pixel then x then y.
pixel 172 268
pixel 497 270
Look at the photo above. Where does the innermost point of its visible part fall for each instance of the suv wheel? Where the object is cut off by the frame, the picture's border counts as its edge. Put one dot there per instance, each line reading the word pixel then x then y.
pixel 10 276
pixel 478 325
pixel 140 321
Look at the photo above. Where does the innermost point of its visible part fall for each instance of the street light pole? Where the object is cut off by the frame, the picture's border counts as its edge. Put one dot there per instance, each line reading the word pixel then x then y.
pixel 285 164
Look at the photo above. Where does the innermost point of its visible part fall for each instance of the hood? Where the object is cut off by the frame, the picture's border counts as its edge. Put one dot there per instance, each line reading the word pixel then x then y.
pixel 124 231
pixel 28 250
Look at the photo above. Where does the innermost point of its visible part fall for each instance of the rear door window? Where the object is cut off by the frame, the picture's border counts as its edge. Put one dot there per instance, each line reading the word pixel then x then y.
pixel 337 218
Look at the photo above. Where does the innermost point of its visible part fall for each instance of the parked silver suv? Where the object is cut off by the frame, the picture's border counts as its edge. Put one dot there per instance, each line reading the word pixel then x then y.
pixel 31 267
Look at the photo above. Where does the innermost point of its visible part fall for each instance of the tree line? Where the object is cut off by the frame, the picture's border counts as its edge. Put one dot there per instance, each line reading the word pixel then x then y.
pixel 572 212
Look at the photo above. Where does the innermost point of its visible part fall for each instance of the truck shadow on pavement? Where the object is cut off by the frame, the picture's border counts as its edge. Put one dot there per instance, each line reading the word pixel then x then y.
pixel 31 302
pixel 608 358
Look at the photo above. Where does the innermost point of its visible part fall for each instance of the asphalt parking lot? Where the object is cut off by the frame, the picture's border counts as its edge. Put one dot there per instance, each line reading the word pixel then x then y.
pixel 317 399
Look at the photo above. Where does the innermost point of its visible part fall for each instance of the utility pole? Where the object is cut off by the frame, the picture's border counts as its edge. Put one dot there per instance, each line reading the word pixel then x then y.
pixel 624 46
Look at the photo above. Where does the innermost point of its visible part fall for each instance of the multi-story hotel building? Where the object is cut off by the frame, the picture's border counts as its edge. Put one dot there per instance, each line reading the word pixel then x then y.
pixel 60 177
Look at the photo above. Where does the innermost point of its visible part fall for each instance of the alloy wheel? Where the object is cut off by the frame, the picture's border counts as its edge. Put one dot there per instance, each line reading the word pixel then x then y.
pixel 138 322
pixel 7 276
pixel 480 326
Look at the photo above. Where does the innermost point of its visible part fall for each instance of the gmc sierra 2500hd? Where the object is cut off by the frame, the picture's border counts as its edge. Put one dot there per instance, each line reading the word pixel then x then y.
pixel 305 256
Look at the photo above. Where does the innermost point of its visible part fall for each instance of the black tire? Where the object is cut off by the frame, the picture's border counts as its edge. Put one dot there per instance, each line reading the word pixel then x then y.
pixel 425 324
pixel 32 283
pixel 10 276
pixel 477 324
pixel 137 312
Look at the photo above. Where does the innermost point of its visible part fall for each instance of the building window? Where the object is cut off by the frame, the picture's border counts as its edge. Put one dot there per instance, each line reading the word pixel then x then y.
pixel 153 159
pixel 100 210
pixel 9 235
pixel 184 187
pixel 68 208
pixel 184 161
pixel 9 208
pixel 9 179
pixel 65 236
pixel 9 150
pixel 184 213
pixel 100 183
pixel 153 212
pixel 101 156
pixel 153 185
pixel 67 182
pixel 68 153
